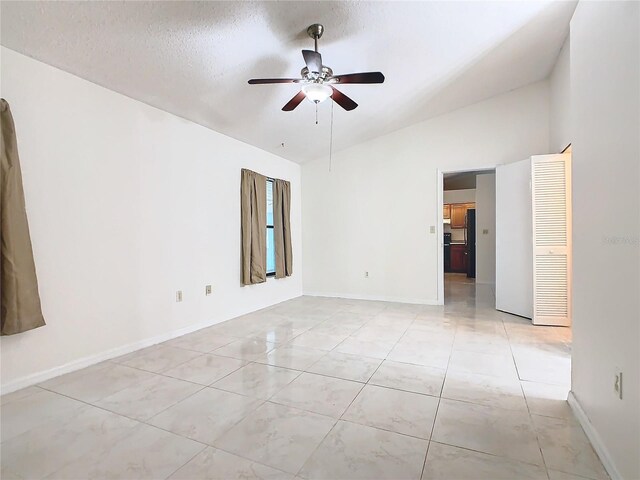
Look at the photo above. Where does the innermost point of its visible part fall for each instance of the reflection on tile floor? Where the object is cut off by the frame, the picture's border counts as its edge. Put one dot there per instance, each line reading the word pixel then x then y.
pixel 316 388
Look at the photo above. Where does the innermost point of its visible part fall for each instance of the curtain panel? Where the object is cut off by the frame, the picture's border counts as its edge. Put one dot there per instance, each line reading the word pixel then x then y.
pixel 282 228
pixel 253 212
pixel 20 308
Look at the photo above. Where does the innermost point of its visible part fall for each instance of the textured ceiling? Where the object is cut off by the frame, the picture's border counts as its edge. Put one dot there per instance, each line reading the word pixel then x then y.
pixel 193 59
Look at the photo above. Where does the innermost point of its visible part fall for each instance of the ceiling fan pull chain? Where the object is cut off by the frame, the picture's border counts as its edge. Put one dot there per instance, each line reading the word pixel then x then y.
pixel 316 113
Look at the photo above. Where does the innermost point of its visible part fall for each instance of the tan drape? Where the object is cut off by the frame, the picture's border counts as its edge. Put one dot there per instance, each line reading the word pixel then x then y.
pixel 19 299
pixel 253 191
pixel 282 227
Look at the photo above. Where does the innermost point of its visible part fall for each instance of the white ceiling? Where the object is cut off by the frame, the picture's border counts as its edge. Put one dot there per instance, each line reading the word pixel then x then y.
pixel 193 59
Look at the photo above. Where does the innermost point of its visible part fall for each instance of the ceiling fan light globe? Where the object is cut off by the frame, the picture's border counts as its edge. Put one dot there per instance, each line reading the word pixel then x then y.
pixel 317 92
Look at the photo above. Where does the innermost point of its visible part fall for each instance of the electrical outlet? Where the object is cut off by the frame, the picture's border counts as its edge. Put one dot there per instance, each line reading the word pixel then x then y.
pixel 432 229
pixel 617 384
pixel 207 290
pixel 366 274
pixel 485 231
pixel 179 296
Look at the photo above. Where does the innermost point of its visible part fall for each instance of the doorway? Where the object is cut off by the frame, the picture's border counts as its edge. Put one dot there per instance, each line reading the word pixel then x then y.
pixel 467 200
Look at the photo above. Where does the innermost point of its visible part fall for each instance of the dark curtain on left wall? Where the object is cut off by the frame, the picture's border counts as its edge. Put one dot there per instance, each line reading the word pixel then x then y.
pixel 19 297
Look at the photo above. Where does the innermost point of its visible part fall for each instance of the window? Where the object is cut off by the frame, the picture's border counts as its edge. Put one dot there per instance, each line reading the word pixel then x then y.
pixel 271 250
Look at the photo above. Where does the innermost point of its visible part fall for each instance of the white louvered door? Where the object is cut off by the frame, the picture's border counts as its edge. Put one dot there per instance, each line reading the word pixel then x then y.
pixel 551 192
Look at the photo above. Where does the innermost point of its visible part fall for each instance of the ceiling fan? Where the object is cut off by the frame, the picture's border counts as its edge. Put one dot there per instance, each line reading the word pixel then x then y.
pixel 318 80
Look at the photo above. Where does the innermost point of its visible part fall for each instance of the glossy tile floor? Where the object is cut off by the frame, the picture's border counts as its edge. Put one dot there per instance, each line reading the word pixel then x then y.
pixel 316 388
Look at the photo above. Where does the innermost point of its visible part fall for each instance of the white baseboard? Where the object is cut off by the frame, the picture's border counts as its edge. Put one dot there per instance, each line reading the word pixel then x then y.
pixel 594 437
pixel 84 362
pixel 377 298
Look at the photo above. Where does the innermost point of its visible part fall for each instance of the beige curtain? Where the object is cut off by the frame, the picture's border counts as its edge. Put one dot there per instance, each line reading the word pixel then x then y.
pixel 282 227
pixel 253 191
pixel 19 298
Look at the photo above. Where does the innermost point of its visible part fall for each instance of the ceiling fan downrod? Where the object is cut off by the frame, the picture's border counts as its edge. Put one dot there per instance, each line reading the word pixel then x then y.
pixel 315 31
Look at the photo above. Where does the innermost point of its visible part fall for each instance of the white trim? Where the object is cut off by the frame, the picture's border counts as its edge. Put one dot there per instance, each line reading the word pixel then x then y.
pixel 594 437
pixel 84 362
pixel 440 236
pixel 376 298
pixel 440 223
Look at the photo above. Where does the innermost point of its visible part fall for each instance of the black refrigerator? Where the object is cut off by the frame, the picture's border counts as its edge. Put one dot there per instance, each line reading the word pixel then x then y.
pixel 470 242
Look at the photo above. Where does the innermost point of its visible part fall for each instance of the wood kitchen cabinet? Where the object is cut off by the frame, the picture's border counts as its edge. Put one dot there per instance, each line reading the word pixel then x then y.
pixel 458 213
pixel 446 211
pixel 458 258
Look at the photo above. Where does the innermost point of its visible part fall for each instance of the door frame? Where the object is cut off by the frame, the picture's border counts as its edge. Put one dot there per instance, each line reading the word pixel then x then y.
pixel 440 219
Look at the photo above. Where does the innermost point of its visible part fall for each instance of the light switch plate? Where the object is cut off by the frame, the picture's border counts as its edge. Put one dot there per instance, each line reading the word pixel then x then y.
pixel 207 290
pixel 179 296
pixel 432 229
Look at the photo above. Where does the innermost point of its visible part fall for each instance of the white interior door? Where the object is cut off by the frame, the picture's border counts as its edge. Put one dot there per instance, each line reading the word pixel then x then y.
pixel 514 245
pixel 551 193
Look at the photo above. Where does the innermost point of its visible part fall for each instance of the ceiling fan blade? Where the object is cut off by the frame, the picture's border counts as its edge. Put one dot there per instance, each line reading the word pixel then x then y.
pixel 259 81
pixel 313 60
pixel 294 102
pixel 342 100
pixel 365 77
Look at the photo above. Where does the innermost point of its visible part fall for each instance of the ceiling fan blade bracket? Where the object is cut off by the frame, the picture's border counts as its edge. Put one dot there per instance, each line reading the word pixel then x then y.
pixel 313 60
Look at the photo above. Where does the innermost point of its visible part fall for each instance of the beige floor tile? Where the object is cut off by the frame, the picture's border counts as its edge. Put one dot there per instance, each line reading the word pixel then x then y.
pixel 206 415
pixel 278 436
pixel 411 351
pixel 372 332
pixel 146 399
pixel 395 410
pixel 566 448
pixel 157 358
pixel 317 340
pixel 502 392
pixel 291 356
pixel 366 348
pixel 358 452
pixel 278 334
pixel 556 475
pixel 94 385
pixel 445 462
pixel 535 365
pixel 35 411
pixel 203 341
pixel 257 380
pixel 483 364
pixel 214 464
pixel 490 430
pixel 346 366
pixel 205 369
pixel 245 349
pixel 547 400
pixel 319 394
pixel 63 441
pixel 412 378
pixel 335 341
pixel 146 453
pixel 18 395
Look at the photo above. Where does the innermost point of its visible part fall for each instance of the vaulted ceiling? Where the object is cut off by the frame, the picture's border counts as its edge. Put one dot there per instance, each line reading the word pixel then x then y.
pixel 193 59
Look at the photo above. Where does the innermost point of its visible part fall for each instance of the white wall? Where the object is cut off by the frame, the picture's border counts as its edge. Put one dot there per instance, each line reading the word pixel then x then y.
pixel 127 204
pixel 605 101
pixel 560 101
pixel 373 211
pixel 459 196
pixel 486 220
